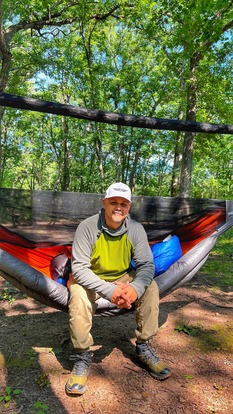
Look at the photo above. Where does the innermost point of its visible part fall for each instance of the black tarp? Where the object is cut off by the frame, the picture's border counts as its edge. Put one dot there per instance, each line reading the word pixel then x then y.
pixel 45 215
pixel 159 215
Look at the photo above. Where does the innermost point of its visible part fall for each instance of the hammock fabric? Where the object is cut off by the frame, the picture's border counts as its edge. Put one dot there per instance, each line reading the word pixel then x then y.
pixel 40 254
pixel 37 255
pixel 26 263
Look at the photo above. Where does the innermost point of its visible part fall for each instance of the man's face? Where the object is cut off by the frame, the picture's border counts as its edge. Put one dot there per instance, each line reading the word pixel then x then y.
pixel 116 210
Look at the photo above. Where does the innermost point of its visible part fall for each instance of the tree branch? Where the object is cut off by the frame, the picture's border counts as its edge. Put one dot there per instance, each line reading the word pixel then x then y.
pixel 97 115
pixel 105 15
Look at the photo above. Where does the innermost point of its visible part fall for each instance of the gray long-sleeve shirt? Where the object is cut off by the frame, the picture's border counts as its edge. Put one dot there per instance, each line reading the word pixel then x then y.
pixel 100 256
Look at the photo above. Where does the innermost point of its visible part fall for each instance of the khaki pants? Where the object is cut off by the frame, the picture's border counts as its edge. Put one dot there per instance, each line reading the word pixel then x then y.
pixel 82 308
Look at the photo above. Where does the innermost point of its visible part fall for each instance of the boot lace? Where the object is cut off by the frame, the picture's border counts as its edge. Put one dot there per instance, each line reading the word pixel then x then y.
pixel 145 351
pixel 82 362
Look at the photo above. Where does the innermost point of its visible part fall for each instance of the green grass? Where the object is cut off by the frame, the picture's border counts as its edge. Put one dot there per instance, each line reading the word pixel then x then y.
pixel 217 337
pixel 218 269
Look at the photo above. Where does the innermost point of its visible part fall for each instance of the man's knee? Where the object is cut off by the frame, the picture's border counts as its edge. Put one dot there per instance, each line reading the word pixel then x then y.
pixel 151 294
pixel 81 298
pixel 153 289
pixel 76 291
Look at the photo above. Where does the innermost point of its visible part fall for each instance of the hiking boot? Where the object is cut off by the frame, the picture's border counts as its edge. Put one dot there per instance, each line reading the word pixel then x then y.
pixel 76 383
pixel 149 360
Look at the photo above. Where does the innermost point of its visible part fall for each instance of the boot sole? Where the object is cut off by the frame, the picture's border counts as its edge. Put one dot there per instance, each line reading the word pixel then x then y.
pixel 71 392
pixel 157 376
pixel 152 373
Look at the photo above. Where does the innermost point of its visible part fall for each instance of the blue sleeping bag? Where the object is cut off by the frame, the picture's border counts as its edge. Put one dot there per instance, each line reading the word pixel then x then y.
pixel 165 253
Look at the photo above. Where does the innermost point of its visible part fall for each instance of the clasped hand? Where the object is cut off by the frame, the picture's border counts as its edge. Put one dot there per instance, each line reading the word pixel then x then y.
pixel 124 295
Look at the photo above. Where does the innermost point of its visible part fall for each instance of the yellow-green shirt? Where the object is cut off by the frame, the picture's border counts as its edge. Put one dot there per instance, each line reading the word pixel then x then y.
pixel 101 256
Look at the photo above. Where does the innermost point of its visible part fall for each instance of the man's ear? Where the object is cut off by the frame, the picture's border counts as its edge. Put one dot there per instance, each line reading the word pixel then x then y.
pixel 103 202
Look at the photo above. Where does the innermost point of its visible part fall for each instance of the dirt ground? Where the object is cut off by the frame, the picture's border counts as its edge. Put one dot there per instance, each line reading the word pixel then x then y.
pixel 195 340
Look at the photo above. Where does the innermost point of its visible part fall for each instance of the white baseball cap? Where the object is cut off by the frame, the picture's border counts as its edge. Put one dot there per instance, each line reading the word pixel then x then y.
pixel 118 190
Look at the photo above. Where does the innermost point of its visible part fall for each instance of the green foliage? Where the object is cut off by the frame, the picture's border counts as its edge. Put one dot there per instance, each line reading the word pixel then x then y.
pixel 212 175
pixel 188 329
pixel 120 57
pixel 42 381
pixel 188 377
pixel 220 265
pixel 216 337
pixel 9 395
pixel 23 361
pixel 7 295
pixel 41 408
pixel 31 354
pixel 224 244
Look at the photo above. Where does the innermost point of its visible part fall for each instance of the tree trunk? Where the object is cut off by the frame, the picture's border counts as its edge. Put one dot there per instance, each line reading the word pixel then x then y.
pixel 176 166
pixel 135 162
pixel 65 179
pixel 120 140
pixel 186 168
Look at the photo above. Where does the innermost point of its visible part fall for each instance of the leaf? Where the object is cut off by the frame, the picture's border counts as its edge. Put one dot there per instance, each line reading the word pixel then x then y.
pixel 18 391
pixel 41 406
pixel 7 398
pixel 8 390
pixel 186 376
pixel 189 330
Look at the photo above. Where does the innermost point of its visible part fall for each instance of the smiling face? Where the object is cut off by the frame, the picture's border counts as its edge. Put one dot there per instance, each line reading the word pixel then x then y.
pixel 116 210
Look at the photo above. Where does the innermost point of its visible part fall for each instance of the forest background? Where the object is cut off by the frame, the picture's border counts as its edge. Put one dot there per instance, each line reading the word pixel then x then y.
pixel 163 59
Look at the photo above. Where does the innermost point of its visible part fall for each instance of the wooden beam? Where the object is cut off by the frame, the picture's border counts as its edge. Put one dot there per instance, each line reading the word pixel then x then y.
pixel 97 115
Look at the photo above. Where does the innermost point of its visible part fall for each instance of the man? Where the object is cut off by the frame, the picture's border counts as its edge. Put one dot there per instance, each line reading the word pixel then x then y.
pixel 103 247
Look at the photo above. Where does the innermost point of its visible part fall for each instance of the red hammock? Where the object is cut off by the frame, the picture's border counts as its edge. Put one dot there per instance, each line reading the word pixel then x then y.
pixel 39 255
